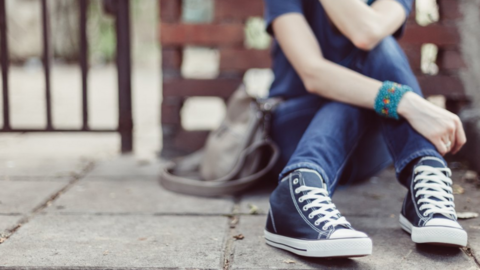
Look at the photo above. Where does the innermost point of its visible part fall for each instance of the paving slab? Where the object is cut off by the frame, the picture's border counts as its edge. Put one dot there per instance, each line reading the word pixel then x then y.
pixel 393 249
pixel 127 165
pixel 472 226
pixel 41 145
pixel 378 196
pixel 24 196
pixel 256 200
pixel 469 201
pixel 116 241
pixel 40 169
pixel 134 195
pixel 8 222
pixel 381 195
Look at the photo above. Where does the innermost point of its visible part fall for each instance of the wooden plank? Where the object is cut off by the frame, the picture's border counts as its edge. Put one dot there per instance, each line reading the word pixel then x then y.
pixel 170 115
pixel 202 34
pixel 447 60
pixel 449 10
pixel 414 55
pixel 172 57
pixel 244 59
pixel 178 87
pixel 412 16
pixel 441 35
pixel 237 10
pixel 451 60
pixel 170 109
pixel 170 10
pixel 449 86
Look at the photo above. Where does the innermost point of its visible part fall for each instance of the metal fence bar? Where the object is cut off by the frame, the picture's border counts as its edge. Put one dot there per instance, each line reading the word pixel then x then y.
pixel 84 60
pixel 118 8
pixel 46 61
pixel 4 63
pixel 125 121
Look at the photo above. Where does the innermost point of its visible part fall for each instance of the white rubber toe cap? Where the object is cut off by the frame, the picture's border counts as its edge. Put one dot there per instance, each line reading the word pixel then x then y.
pixel 347 233
pixel 443 222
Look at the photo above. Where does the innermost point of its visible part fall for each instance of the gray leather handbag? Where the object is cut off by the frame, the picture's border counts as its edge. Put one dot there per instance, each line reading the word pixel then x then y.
pixel 236 155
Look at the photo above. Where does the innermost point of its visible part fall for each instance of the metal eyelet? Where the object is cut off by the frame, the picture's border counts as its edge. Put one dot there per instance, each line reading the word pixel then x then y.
pixel 305 208
pixel 300 200
pixel 296 191
pixel 295 181
pixel 316 223
pixel 310 216
pixel 324 228
pixel 425 214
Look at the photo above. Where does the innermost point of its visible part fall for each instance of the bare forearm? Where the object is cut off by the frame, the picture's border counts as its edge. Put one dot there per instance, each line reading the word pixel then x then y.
pixel 338 83
pixel 437 125
pixel 319 75
pixel 365 25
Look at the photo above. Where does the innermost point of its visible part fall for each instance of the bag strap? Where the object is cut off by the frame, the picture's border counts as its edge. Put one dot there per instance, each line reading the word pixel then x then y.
pixel 218 188
pixel 267 106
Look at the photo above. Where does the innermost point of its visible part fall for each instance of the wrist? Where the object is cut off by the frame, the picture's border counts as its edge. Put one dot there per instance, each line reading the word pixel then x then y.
pixel 406 106
pixel 388 100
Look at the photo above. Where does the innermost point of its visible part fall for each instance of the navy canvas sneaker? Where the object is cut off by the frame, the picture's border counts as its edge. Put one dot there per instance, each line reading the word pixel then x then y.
pixel 428 212
pixel 303 220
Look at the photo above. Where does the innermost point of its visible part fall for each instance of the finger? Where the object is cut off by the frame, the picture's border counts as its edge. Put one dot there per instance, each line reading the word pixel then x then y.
pixel 447 142
pixel 461 138
pixel 450 136
pixel 452 139
pixel 441 148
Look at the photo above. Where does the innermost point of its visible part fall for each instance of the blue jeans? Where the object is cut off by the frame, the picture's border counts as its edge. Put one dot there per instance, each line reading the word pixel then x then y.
pixel 345 142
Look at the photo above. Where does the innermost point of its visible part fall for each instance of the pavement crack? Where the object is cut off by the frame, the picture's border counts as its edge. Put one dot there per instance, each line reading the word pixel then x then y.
pixel 469 252
pixel 75 178
pixel 229 245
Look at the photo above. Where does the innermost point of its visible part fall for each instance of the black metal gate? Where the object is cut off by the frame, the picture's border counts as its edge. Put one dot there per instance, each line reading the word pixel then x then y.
pixel 120 10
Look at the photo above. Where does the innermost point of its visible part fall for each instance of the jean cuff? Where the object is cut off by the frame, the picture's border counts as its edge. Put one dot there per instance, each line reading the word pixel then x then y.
pixel 401 164
pixel 305 165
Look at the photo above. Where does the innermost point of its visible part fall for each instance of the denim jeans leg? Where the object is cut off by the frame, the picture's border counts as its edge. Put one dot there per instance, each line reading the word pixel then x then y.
pixel 289 122
pixel 369 158
pixel 330 140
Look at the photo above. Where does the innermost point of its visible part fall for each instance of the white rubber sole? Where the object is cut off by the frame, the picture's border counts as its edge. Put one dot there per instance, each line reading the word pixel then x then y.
pixel 344 247
pixel 446 236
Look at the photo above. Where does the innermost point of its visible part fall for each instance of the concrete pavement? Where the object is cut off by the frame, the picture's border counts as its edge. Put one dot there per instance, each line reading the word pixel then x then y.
pixel 113 214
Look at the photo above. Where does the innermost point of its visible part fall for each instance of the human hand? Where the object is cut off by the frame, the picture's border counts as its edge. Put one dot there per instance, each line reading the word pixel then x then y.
pixel 441 127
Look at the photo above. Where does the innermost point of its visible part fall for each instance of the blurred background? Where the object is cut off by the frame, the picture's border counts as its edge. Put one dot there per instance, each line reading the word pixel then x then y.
pixel 27 81
pixel 187 57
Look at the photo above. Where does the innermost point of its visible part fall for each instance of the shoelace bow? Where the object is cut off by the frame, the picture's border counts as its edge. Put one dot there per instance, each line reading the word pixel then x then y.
pixel 435 185
pixel 325 208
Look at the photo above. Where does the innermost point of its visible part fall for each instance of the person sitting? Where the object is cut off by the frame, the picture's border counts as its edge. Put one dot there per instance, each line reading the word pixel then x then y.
pixel 352 107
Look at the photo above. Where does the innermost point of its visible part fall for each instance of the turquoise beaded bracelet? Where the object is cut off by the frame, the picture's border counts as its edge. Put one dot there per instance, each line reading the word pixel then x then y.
pixel 388 98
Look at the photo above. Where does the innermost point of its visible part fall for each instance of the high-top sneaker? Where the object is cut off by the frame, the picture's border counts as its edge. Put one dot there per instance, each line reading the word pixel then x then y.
pixel 303 220
pixel 428 212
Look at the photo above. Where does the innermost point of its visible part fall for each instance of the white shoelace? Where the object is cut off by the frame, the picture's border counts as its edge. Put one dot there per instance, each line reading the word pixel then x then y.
pixel 326 209
pixel 434 183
